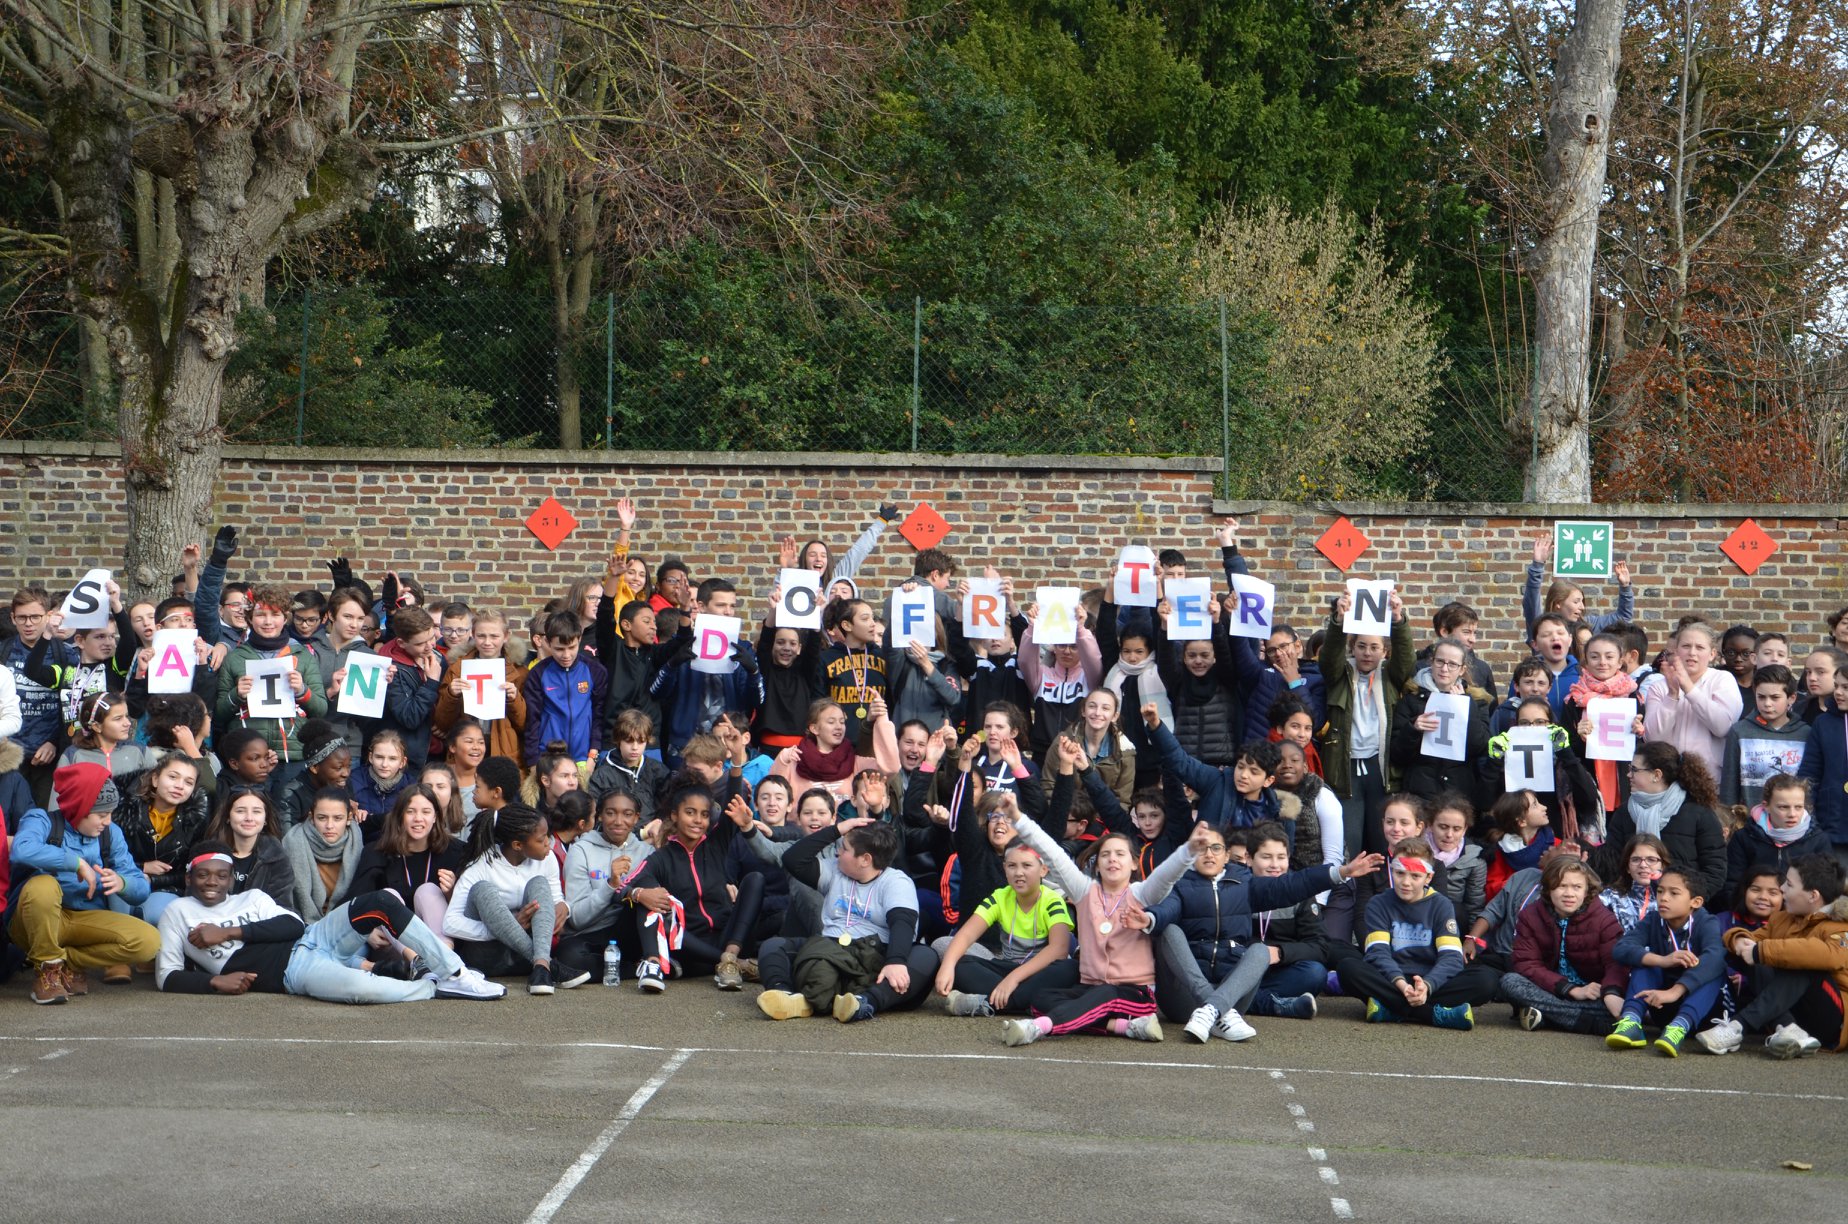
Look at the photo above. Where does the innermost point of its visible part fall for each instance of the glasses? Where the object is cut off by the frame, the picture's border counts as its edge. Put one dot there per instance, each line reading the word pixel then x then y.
pixel 27 619
pixel 1533 722
pixel 1642 769
pixel 1648 861
pixel 1209 851
pixel 1446 664
pixel 675 580
pixel 181 620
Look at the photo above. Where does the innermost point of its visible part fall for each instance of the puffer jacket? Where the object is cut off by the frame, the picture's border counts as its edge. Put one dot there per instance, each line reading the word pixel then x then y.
pixel 1590 940
pixel 1215 913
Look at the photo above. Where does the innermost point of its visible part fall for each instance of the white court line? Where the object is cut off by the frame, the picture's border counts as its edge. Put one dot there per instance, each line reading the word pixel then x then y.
pixel 587 1160
pixel 783 1051
pixel 1318 1156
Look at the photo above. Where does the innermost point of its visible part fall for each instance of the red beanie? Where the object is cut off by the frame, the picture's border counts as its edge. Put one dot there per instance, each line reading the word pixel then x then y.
pixel 78 787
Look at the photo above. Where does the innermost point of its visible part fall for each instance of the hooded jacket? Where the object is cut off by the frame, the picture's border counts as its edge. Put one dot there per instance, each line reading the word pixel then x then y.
pixel 642 784
pixel 15 792
pixel 279 733
pixel 1336 734
pixel 588 891
pixel 1215 913
pixel 48 847
pixel 1788 741
pixel 1812 943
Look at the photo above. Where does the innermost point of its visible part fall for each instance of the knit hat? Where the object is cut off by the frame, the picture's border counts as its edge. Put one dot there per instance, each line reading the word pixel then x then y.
pixel 82 789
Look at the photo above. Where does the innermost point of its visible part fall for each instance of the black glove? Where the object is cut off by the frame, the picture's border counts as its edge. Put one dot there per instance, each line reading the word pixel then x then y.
pixel 889 512
pixel 342 571
pixel 747 658
pixel 388 594
pixel 224 545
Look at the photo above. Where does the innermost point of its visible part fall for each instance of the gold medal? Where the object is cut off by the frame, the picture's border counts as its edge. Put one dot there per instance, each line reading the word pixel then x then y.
pixel 1106 927
pixel 860 714
pixel 846 939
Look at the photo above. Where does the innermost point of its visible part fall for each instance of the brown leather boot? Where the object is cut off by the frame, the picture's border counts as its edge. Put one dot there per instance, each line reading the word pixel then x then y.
pixel 118 975
pixel 48 984
pixel 75 981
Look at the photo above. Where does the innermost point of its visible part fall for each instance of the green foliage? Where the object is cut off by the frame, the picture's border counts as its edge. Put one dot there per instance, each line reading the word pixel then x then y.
pixel 1350 360
pixel 367 386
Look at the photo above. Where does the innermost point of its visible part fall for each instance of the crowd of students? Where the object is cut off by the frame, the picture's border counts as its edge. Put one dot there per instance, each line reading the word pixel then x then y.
pixel 1086 837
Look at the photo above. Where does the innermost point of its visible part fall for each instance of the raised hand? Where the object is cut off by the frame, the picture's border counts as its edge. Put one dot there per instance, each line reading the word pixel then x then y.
pixel 625 512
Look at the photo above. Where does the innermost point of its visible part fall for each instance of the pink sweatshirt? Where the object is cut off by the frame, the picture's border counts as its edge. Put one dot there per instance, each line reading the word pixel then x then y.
pixel 1695 722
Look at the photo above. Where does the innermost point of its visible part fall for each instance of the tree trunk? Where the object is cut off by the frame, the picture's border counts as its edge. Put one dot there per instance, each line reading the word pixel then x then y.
pixel 1577 144
pixel 571 264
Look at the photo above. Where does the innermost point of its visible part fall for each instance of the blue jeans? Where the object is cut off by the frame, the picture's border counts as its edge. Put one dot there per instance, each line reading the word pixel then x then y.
pixel 325 963
pixel 148 911
pixel 1693 1008
pixel 1288 981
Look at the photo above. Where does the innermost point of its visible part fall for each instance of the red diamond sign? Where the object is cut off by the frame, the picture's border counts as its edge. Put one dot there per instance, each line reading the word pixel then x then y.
pixel 551 522
pixel 1749 546
pixel 924 528
pixel 1343 543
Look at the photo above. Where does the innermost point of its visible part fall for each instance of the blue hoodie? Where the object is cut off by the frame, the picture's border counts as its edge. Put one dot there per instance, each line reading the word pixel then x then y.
pixel 53 848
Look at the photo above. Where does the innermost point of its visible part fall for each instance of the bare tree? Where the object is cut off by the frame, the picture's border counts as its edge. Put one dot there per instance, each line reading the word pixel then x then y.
pixel 189 140
pixel 1578 142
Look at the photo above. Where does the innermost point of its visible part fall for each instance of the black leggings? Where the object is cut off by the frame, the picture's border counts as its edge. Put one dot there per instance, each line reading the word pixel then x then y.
pixel 1475 985
pixel 975 976
pixel 702 953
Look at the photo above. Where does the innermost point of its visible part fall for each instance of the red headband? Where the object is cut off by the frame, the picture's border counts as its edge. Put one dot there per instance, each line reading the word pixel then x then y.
pixel 1414 864
pixel 215 856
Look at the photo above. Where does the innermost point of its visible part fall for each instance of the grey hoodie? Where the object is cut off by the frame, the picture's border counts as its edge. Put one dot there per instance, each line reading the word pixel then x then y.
pixel 588 894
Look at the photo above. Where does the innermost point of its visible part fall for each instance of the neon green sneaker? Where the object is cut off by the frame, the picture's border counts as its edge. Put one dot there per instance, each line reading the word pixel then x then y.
pixel 1627 1035
pixel 1379 1013
pixel 1669 1042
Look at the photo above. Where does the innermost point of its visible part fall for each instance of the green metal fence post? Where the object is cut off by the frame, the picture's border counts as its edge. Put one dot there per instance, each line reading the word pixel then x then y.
pixel 609 372
pixel 917 340
pixel 301 385
pixel 1225 404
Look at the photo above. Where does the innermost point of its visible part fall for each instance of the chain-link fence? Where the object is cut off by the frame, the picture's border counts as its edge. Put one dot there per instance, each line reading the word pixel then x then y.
pixel 343 365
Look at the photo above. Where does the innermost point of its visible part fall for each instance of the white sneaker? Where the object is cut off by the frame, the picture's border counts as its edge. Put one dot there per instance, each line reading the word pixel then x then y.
pixel 1144 1028
pixel 1791 1042
pixel 468 984
pixel 1020 1032
pixel 1723 1038
pixel 1530 1018
pixel 965 1003
pixel 1200 1024
pixel 1233 1027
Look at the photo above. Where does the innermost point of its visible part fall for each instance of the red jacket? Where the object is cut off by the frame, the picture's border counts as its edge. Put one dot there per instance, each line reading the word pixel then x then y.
pixel 1590 937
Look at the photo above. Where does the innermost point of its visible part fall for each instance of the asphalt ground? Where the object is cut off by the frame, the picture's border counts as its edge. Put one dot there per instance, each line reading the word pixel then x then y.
pixel 595 1105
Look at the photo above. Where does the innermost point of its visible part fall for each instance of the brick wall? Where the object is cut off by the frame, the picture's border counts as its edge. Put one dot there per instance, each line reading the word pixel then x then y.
pixel 457 520
pixel 1479 554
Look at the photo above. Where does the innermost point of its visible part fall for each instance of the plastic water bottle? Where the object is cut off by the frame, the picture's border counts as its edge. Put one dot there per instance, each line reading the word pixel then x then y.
pixel 612 965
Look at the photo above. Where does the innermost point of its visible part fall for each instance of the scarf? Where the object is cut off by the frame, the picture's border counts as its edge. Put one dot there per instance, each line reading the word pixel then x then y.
pixel 1521 855
pixel 306 847
pixel 1605 773
pixel 269 645
pixel 1449 858
pixel 1148 686
pixel 1651 813
pixel 1780 837
pixel 817 765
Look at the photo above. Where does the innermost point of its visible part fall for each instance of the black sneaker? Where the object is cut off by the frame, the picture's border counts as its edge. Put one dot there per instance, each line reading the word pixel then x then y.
pixel 405 970
pixel 569 976
pixel 540 983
